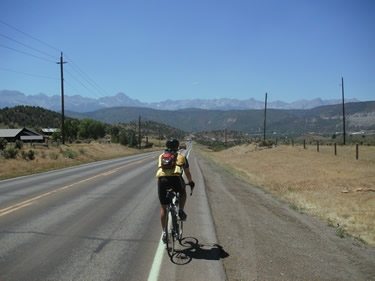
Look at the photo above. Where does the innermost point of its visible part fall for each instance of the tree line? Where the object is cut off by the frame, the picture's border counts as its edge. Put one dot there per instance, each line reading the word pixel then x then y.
pixel 128 134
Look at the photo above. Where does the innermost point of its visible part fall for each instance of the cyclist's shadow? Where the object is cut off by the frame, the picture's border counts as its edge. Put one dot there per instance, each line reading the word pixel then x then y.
pixel 190 248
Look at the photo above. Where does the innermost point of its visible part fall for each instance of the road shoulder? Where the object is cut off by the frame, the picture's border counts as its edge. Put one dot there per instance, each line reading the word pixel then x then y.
pixel 266 240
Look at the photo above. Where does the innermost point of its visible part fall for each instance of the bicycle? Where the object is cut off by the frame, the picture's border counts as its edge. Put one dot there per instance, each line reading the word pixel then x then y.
pixel 174 226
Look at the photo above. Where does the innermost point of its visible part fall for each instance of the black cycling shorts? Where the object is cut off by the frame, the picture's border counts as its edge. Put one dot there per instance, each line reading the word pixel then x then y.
pixel 165 183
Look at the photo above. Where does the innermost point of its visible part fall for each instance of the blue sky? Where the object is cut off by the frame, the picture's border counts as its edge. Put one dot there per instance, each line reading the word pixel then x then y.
pixel 160 49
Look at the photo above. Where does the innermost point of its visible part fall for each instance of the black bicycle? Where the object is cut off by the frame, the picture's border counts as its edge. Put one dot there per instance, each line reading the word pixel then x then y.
pixel 174 226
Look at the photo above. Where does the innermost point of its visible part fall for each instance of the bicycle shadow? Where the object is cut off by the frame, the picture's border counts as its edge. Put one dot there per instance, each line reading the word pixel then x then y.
pixel 192 249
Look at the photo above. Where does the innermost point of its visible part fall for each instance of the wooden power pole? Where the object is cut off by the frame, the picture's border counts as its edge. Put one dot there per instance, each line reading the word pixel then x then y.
pixel 265 118
pixel 61 63
pixel 139 132
pixel 343 111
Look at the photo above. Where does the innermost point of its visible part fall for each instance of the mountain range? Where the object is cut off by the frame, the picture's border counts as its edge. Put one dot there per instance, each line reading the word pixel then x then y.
pixel 323 119
pixel 81 104
pixel 360 116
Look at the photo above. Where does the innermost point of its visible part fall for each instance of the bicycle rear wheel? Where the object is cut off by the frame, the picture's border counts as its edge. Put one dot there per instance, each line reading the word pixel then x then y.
pixel 170 232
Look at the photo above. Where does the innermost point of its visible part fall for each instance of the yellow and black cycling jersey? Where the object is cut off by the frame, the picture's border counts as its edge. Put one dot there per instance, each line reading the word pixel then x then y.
pixel 177 170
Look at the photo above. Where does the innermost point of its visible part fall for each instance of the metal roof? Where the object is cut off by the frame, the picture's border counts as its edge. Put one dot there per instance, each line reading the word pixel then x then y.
pixel 9 133
pixel 22 133
pixel 50 130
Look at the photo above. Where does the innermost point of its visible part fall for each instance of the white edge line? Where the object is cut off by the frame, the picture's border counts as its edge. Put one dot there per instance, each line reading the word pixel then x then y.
pixel 156 264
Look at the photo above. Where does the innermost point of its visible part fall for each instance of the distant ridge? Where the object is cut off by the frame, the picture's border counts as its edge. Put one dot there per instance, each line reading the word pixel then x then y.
pixel 80 104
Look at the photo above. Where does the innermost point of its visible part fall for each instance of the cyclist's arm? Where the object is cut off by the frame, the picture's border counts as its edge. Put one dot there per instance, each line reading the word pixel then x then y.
pixel 187 170
pixel 188 174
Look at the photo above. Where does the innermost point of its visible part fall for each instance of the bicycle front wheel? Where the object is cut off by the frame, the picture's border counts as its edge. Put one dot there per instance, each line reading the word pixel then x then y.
pixel 170 235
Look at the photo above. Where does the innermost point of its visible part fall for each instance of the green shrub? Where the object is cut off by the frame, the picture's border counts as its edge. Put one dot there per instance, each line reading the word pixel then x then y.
pixel 341 232
pixel 68 153
pixel 219 147
pixel 10 152
pixel 53 155
pixel 24 155
pixel 266 143
pixel 31 154
pixel 3 143
pixel 19 144
pixel 28 155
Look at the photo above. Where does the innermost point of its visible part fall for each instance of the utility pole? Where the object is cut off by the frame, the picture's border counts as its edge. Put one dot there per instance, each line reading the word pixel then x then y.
pixel 343 110
pixel 265 118
pixel 159 136
pixel 226 137
pixel 61 63
pixel 139 132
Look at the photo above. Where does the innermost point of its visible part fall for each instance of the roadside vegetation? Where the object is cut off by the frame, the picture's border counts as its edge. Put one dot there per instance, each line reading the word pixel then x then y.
pixel 35 159
pixel 337 189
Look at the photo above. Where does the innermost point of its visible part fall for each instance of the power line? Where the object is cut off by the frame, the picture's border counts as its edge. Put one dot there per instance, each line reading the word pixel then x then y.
pixel 77 80
pixel 7 37
pixel 84 77
pixel 28 74
pixel 71 85
pixel 87 78
pixel 13 49
pixel 24 33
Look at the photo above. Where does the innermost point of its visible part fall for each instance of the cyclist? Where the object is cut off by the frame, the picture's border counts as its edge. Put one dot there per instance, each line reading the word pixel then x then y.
pixel 173 178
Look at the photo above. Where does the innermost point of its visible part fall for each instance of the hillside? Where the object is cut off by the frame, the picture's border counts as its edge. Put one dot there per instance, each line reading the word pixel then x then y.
pixel 38 117
pixel 320 120
pixel 29 116
pixel 324 120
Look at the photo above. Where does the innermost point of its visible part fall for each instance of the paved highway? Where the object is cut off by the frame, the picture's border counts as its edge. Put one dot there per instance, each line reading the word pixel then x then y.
pixel 100 221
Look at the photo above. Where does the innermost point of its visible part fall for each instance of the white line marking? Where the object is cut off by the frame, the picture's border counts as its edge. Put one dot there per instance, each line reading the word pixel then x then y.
pixel 156 264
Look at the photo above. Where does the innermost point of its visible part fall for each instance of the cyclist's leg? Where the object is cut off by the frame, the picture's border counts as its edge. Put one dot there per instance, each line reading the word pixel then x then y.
pixel 163 213
pixel 162 193
pixel 180 188
pixel 182 192
pixel 178 185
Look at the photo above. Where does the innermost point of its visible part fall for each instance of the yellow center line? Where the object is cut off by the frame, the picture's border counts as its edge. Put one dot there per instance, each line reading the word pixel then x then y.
pixel 14 209
pixel 30 201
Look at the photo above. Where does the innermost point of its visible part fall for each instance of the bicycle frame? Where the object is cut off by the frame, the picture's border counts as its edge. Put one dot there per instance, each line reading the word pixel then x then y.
pixel 174 226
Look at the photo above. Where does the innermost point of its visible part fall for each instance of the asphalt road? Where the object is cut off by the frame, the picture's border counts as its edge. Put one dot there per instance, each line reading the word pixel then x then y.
pixel 100 221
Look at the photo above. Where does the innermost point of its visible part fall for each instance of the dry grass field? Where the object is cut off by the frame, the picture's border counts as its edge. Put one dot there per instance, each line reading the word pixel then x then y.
pixel 53 157
pixel 338 189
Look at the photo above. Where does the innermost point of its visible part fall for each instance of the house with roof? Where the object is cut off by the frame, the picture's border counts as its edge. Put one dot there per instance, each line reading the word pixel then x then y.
pixel 24 134
pixel 48 132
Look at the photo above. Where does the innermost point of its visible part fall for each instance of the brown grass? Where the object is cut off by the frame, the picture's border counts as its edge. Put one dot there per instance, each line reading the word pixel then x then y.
pixel 337 189
pixel 62 156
